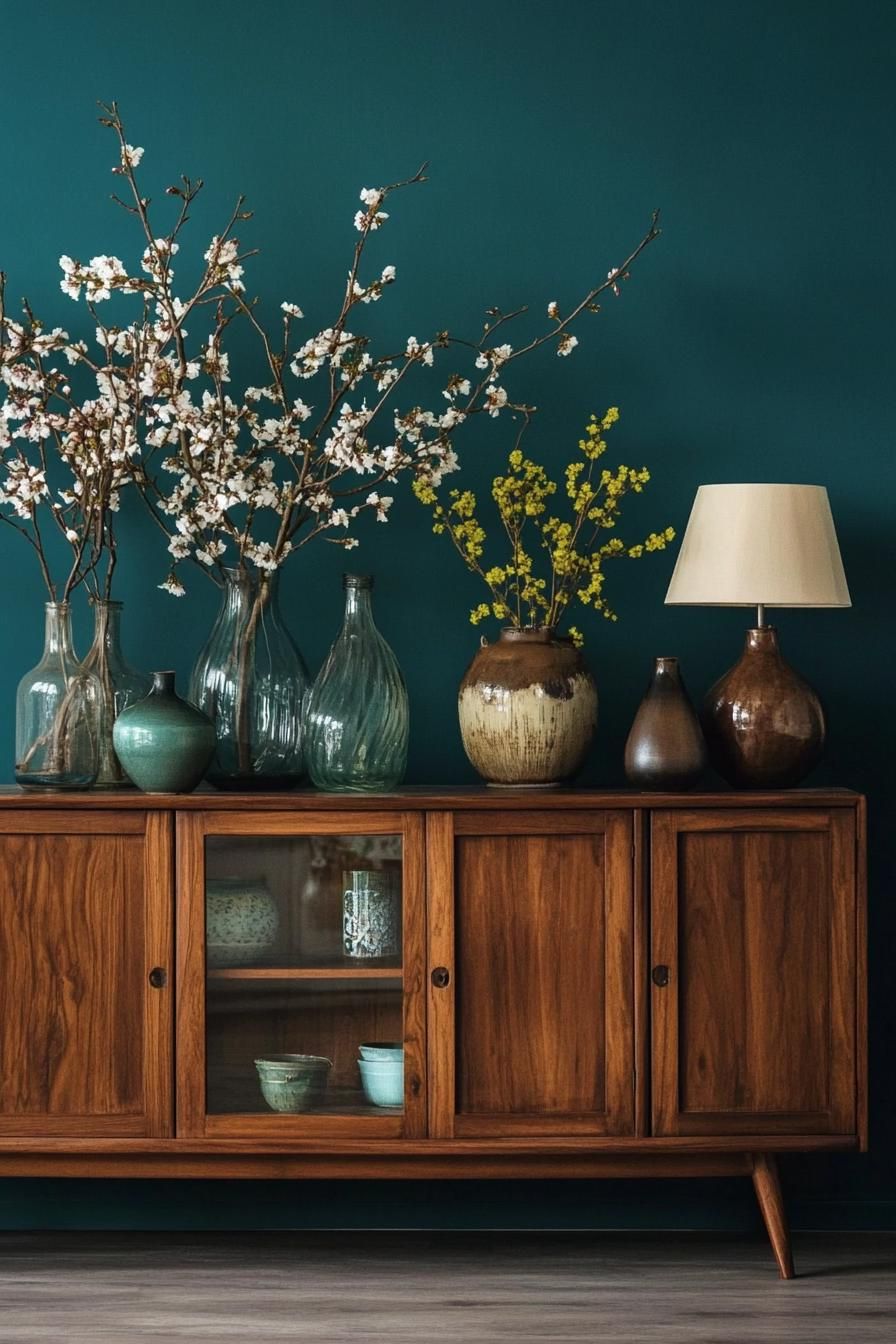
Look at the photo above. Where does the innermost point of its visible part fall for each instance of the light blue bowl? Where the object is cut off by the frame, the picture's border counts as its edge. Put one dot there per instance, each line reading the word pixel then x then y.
pixel 383 1081
pixel 381 1051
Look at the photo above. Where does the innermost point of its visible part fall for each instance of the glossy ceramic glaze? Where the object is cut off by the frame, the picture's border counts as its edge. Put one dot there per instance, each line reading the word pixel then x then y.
pixel 379 1050
pixel 665 747
pixel 528 709
pixel 242 921
pixel 764 725
pixel 164 743
pixel 371 914
pixel 382 1081
pixel 293 1083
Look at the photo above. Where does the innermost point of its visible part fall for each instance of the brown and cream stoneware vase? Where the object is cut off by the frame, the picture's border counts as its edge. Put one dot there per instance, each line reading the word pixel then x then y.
pixel 528 709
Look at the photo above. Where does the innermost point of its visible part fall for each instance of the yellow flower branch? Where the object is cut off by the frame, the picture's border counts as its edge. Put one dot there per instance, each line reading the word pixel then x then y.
pixel 574 548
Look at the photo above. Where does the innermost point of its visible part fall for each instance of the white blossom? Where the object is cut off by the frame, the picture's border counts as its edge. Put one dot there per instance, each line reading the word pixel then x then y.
pixel 369 219
pixel 224 267
pixel 495 399
pixel 567 343
pixel 385 377
pixel 415 350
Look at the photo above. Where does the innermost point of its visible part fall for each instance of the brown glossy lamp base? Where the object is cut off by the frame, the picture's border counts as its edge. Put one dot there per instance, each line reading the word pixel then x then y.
pixel 763 724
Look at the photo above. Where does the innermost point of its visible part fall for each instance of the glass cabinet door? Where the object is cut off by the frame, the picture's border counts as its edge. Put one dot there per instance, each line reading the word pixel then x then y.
pixel 311 932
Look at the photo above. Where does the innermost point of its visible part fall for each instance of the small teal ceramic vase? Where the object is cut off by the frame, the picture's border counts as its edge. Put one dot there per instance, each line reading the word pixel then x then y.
pixel 164 743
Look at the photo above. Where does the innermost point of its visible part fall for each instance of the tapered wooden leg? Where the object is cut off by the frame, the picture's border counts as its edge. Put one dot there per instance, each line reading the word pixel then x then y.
pixel 768 1192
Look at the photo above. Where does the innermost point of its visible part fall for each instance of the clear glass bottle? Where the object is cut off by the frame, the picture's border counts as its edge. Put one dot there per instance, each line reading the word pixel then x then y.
pixel 356 719
pixel 251 680
pixel 121 685
pixel 57 714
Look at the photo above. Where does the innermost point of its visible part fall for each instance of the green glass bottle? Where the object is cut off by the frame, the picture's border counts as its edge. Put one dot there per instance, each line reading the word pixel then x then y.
pixel 356 717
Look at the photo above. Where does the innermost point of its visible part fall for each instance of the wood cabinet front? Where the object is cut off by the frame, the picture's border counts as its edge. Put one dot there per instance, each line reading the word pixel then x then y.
pixel 85 955
pixel 531 977
pixel 754 953
pixel 301 935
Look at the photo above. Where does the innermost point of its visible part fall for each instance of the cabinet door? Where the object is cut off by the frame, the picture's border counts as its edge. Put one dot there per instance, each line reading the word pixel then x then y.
pixel 85 944
pixel 753 929
pixel 531 973
pixel 268 967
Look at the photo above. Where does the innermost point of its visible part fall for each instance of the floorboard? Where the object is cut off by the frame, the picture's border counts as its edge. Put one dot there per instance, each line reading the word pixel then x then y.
pixel 403 1288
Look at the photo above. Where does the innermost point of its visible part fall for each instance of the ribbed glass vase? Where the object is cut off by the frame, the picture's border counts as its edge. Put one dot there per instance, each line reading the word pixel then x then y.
pixel 57 713
pixel 357 720
pixel 121 685
pixel 251 680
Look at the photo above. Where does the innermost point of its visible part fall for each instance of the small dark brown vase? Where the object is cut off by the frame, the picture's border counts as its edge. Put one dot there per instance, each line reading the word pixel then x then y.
pixel 763 723
pixel 665 748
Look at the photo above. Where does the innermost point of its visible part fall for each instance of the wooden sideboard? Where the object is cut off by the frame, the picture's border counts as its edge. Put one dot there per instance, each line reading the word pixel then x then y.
pixel 590 984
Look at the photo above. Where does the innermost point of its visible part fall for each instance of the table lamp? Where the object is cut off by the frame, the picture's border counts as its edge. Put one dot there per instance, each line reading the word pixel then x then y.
pixel 761 546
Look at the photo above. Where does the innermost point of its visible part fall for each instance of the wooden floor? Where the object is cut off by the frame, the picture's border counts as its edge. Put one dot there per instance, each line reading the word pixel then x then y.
pixel 388 1287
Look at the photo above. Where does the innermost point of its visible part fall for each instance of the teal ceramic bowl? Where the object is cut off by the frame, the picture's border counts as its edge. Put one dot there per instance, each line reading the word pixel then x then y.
pixel 382 1081
pixel 389 1051
pixel 293 1083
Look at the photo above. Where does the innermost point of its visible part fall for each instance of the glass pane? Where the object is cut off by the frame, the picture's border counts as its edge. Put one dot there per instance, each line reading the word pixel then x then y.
pixel 304 968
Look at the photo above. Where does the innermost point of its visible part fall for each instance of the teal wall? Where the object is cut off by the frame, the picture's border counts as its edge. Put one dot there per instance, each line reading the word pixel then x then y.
pixel 754 343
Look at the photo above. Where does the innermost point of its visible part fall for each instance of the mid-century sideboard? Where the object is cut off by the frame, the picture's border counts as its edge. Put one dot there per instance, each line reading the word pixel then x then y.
pixel 590 984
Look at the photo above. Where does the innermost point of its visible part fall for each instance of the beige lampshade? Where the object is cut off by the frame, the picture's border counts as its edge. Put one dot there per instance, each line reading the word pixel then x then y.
pixel 752 545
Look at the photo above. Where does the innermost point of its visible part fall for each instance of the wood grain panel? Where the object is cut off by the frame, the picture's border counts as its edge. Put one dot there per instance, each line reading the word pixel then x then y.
pixel 158 1034
pixel 531 952
pixel 459 798
pixel 382 1162
pixel 189 1032
pixel 756 1027
pixel 412 1029
pixel 441 997
pixel 641 963
pixel 862 973
pixel 56 821
pixel 544 1003
pixel 556 1146
pixel 82 1035
pixel 300 821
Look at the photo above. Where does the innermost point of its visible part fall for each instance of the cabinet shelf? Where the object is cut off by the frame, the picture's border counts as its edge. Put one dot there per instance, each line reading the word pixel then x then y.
pixel 326 971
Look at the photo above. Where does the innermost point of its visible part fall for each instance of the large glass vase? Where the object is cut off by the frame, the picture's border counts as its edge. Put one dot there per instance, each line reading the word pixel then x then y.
pixel 121 685
pixel 251 680
pixel 57 714
pixel 356 721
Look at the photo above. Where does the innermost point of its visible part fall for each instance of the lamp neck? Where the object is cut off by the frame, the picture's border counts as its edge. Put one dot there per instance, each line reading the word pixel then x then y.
pixel 760 616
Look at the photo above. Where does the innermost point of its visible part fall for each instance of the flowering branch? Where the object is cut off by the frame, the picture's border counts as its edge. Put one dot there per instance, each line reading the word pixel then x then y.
pixel 575 551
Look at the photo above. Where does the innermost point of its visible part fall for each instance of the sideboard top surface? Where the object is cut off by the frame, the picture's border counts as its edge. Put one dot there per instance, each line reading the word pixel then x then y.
pixel 424 799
